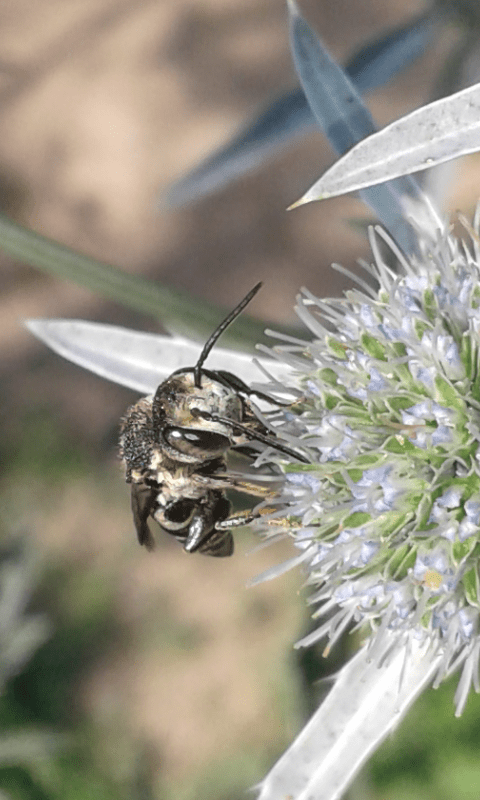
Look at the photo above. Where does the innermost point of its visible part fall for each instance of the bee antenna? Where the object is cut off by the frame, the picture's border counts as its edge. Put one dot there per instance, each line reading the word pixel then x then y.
pixel 209 344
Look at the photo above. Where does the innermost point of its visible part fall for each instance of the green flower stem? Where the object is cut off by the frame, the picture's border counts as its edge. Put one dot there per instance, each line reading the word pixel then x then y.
pixel 179 312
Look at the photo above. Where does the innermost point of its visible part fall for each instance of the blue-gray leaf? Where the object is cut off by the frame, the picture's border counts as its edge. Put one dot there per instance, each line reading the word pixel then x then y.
pixel 289 115
pixel 279 122
pixel 343 116
pixel 438 132
pixel 377 62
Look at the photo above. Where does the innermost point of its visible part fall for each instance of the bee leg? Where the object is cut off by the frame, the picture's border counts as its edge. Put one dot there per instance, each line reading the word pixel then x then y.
pixel 210 541
pixel 244 518
pixel 219 544
pixel 203 532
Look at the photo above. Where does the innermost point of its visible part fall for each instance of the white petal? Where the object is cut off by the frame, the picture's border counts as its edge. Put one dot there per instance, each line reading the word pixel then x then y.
pixel 365 704
pixel 138 360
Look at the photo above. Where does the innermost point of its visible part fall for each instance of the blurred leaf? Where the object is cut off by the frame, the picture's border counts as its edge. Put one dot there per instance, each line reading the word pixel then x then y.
pixel 377 62
pixel 179 312
pixel 334 101
pixel 438 132
pixel 27 746
pixel 279 122
pixel 20 635
pixel 289 115
pixel 138 360
pixel 343 116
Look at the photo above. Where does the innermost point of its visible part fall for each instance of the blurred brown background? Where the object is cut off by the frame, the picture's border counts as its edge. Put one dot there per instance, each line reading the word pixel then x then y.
pixel 102 105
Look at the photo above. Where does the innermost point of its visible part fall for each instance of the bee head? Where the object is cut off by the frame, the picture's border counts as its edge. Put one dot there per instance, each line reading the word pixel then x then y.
pixel 183 406
pixel 180 416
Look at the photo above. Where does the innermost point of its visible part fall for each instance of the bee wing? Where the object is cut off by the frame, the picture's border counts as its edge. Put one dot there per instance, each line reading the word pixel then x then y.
pixel 143 498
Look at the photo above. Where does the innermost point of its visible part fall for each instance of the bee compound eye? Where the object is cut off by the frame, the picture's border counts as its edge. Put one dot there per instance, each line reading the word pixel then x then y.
pixel 178 515
pixel 196 441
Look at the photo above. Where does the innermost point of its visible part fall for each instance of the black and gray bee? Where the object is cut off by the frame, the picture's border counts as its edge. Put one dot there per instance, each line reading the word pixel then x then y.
pixel 174 445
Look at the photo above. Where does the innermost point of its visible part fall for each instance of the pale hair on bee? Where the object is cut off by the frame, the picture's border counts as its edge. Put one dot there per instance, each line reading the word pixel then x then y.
pixel 174 445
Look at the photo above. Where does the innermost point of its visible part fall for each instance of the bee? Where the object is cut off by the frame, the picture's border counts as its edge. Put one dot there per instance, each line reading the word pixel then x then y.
pixel 174 446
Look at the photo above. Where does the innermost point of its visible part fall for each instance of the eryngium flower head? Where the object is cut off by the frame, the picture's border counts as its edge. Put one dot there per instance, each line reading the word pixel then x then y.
pixel 388 511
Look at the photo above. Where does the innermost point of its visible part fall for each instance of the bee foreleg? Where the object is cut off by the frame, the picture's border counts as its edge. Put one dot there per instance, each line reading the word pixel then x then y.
pixel 243 518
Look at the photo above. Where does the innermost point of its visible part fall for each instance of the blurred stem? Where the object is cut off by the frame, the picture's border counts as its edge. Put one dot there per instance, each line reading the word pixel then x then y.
pixel 179 312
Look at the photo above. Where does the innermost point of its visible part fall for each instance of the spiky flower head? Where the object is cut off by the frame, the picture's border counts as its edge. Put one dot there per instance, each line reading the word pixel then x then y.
pixel 387 512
